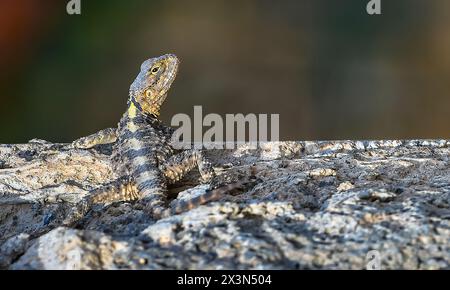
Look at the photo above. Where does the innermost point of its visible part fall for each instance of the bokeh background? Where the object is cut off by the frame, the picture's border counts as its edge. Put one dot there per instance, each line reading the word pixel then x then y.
pixel 330 70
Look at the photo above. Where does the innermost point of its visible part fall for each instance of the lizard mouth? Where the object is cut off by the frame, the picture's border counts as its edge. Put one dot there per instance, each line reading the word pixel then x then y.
pixel 170 73
pixel 172 63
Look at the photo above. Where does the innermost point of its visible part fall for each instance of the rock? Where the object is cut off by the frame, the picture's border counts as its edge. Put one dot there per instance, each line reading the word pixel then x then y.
pixel 317 205
pixel 377 194
pixel 344 186
pixel 13 248
pixel 69 249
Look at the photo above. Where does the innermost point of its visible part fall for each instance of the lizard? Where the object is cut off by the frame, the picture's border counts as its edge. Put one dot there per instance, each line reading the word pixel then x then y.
pixel 142 154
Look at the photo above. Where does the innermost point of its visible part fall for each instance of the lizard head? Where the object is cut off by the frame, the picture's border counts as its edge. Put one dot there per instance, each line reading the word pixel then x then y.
pixel 149 89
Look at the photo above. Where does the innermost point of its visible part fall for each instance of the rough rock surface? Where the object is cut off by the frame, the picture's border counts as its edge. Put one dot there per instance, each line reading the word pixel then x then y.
pixel 317 205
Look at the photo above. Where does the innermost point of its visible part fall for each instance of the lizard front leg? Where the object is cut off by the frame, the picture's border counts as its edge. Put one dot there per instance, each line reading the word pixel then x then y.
pixel 177 166
pixel 105 136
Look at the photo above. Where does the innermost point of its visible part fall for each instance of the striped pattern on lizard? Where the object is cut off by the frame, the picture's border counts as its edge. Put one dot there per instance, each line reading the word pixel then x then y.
pixel 142 154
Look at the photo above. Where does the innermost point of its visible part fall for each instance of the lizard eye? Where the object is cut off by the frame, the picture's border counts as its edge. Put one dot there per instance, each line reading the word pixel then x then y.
pixel 155 69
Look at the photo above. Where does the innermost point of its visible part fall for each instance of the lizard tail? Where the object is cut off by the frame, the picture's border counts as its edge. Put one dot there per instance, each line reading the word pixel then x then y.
pixel 208 196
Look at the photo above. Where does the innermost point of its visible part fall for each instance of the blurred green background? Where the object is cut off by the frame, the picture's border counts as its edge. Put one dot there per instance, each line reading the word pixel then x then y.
pixel 330 70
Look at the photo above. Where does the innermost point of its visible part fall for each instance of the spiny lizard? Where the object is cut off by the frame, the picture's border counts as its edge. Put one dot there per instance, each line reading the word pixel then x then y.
pixel 142 154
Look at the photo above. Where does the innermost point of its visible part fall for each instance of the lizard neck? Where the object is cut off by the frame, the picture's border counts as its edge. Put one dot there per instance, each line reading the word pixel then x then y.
pixel 136 114
pixel 133 110
pixel 149 110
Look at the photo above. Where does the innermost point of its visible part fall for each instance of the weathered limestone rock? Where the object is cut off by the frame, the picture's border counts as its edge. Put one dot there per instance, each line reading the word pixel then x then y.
pixel 318 205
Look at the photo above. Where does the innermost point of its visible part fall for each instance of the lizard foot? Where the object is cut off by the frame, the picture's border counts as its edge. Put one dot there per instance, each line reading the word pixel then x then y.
pixel 77 212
